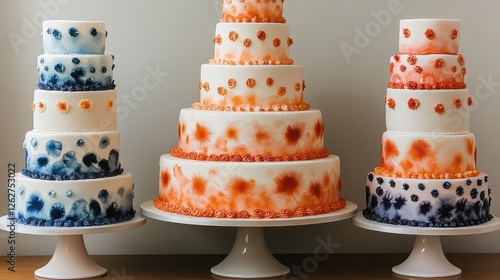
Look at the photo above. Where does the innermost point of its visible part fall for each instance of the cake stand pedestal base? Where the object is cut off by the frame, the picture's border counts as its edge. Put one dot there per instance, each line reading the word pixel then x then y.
pixel 250 256
pixel 427 258
pixel 70 259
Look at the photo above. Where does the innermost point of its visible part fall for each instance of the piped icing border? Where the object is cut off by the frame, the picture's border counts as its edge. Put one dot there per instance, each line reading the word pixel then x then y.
pixel 163 205
pixel 384 172
pixel 413 223
pixel 428 86
pixel 71 223
pixel 252 108
pixel 179 153
pixel 261 61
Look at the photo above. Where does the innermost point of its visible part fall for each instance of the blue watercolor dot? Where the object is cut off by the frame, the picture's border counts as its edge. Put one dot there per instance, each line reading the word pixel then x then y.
pixel 59 68
pixel 93 31
pixel 42 77
pixel 460 191
pixel 414 197
pixel 21 190
pixel 57 34
pixel 474 193
pixel 69 193
pixel 42 60
pixel 468 182
pixel 73 32
pixel 51 193
pixel 49 31
pixel 75 60
pixel 78 72
pixel 392 183
pixel 104 69
pixel 103 196
pixel 95 208
pixel 53 148
pixel 479 182
pixel 34 143
pixel 406 186
pixel 379 191
pixel 35 204
pixel 57 211
pixel 435 193
pixel 46 68
pixel 92 69
pixel 80 142
pixel 42 161
pixel 446 185
pixel 104 142
pixel 421 186
pixel 370 177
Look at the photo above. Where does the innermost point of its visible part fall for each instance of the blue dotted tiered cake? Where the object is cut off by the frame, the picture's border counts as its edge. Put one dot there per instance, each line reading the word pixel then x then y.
pixel 73 175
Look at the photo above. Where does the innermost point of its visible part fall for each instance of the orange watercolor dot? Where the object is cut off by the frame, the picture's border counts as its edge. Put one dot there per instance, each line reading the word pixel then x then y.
pixel 165 178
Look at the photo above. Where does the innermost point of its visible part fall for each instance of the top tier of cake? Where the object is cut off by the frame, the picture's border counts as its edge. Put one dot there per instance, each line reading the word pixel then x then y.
pixel 429 36
pixel 82 37
pixel 252 11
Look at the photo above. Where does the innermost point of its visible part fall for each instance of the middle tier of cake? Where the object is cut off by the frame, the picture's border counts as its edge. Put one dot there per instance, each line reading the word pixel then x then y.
pixel 280 135
pixel 249 189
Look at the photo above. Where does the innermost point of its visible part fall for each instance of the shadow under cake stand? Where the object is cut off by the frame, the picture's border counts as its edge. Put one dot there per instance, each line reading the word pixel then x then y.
pixel 71 259
pixel 427 258
pixel 249 257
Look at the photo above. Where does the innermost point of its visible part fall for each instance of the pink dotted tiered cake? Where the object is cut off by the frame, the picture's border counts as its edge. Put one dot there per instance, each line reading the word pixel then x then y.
pixel 251 147
pixel 427 175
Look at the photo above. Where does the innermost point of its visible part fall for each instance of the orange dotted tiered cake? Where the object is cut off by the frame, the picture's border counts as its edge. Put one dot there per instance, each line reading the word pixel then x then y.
pixel 251 147
pixel 428 176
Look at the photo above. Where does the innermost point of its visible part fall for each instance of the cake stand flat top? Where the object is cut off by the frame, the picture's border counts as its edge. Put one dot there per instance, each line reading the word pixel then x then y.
pixel 149 210
pixel 360 221
pixel 137 221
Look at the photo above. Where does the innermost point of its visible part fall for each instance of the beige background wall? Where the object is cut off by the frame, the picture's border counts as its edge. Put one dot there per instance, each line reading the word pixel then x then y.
pixel 174 38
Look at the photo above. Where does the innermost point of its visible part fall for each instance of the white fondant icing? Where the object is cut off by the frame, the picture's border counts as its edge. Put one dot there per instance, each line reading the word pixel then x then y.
pixel 431 69
pixel 68 36
pixel 254 133
pixel 441 40
pixel 72 153
pixel 414 153
pixel 433 201
pixel 245 186
pixel 216 78
pixel 101 117
pixel 75 69
pixel 241 43
pixel 454 119
pixel 82 200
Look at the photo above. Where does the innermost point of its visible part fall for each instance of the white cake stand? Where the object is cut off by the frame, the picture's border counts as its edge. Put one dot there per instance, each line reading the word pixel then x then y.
pixel 249 257
pixel 427 258
pixel 71 259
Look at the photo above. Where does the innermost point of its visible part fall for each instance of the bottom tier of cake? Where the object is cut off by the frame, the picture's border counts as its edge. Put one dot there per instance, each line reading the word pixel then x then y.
pixel 281 189
pixel 91 202
pixel 428 202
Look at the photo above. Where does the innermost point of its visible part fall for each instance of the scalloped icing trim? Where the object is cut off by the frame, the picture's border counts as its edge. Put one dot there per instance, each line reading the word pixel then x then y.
pixel 384 172
pixel 228 18
pixel 71 223
pixel 252 108
pixel 94 87
pixel 179 153
pixel 428 86
pixel 261 61
pixel 413 223
pixel 57 177
pixel 163 205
